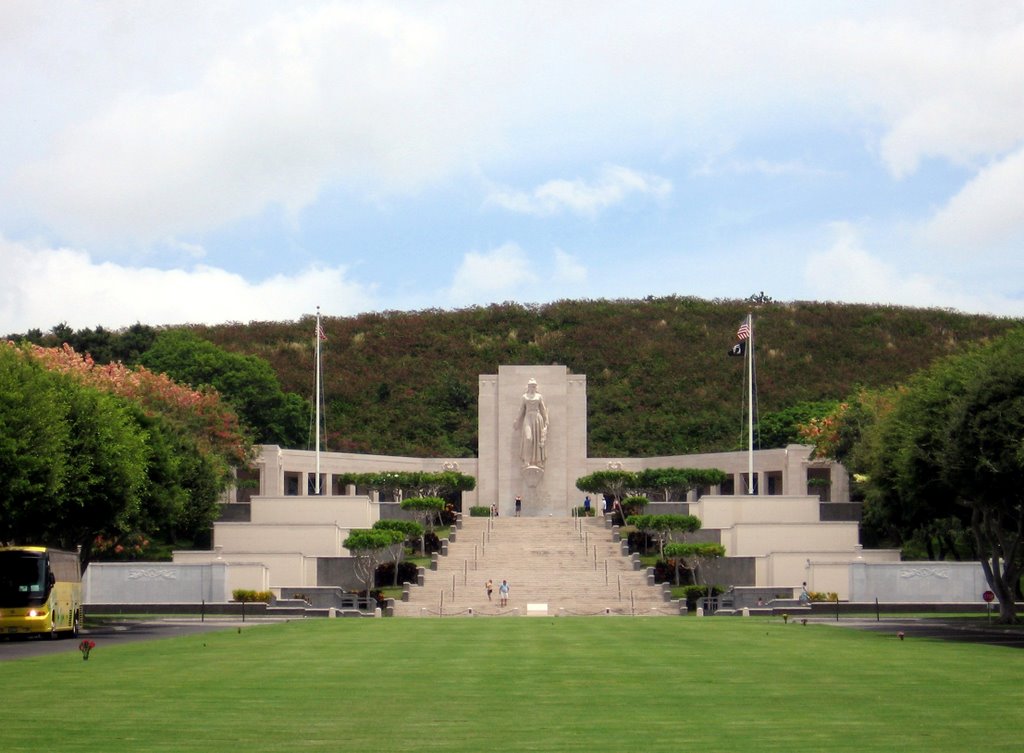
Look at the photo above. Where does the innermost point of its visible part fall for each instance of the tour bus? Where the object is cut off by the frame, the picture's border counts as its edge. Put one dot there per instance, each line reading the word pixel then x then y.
pixel 40 591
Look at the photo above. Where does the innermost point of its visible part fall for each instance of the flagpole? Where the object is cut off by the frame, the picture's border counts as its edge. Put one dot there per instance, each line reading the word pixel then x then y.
pixel 316 335
pixel 750 406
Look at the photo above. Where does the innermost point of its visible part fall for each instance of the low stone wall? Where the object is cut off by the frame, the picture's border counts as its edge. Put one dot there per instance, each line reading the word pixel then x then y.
pixel 234 610
pixel 339 572
pixel 329 598
pixel 235 512
pixel 184 609
pixel 832 512
pixel 931 582
pixel 735 571
pixel 154 582
pixel 667 508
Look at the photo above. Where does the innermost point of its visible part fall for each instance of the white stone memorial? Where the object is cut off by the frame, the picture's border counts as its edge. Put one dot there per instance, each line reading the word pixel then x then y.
pixel 532 443
pixel 533 439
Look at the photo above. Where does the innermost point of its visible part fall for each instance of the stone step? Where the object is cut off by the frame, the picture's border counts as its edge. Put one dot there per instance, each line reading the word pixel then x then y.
pixel 549 564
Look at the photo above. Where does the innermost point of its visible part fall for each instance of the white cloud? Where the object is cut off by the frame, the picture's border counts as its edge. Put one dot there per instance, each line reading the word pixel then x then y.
pixel 43 287
pixel 483 277
pixel 613 185
pixel 161 126
pixel 508 272
pixel 713 166
pixel 263 104
pixel 946 91
pixel 336 93
pixel 987 211
pixel 848 272
pixel 568 269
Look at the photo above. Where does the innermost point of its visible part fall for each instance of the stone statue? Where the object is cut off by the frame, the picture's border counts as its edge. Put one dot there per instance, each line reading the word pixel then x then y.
pixel 533 418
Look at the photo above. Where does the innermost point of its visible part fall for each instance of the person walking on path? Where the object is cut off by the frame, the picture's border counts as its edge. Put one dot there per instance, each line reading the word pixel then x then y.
pixel 503 593
pixel 805 597
pixel 489 585
pixel 519 506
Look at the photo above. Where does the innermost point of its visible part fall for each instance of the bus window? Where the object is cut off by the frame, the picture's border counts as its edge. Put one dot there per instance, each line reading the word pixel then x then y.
pixel 22 575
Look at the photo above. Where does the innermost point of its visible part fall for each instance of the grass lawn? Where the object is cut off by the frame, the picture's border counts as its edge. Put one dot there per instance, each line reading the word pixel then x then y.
pixel 519 684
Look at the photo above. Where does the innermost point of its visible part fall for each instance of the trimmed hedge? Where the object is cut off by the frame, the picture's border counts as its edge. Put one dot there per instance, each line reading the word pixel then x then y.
pixel 245 594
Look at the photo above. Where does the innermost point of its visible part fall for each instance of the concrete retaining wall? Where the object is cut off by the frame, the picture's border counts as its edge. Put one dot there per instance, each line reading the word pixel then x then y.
pixel 948 582
pixel 154 582
pixel 338 571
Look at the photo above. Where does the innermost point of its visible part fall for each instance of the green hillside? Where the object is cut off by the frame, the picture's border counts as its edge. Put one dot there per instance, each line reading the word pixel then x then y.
pixel 659 381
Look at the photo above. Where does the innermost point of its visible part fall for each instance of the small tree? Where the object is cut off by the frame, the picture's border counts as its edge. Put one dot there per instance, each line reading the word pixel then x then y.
pixel 439 483
pixel 615 484
pixel 426 508
pixel 369 548
pixel 632 505
pixel 393 482
pixel 679 480
pixel 419 483
pixel 663 527
pixel 693 557
pixel 410 529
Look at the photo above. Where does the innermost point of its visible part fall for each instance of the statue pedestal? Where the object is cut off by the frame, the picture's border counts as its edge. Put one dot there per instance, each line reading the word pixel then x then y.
pixel 532 476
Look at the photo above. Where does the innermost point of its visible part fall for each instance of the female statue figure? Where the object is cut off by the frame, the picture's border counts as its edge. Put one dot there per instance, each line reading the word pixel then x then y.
pixel 533 418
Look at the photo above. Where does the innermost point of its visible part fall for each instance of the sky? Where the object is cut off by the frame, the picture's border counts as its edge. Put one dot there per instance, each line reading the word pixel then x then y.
pixel 182 161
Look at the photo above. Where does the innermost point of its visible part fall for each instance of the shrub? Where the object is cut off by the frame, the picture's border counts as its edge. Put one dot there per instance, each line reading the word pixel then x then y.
pixel 245 594
pixel 639 541
pixel 823 596
pixel 375 594
pixel 479 511
pixel 666 571
pixel 448 515
pixel 385 574
pixel 634 505
pixel 693 593
pixel 431 543
pixel 129 547
pixel 583 512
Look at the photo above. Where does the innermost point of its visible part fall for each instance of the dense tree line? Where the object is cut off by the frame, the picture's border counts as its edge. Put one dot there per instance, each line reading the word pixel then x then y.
pixel 101 344
pixel 658 379
pixel 106 457
pixel 119 459
pixel 246 382
pixel 939 461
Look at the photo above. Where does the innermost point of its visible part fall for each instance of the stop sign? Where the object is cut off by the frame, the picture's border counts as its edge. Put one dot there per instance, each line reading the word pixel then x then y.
pixel 988 596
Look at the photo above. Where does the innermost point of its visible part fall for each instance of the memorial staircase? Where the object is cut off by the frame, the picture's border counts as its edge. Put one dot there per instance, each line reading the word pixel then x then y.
pixel 554 566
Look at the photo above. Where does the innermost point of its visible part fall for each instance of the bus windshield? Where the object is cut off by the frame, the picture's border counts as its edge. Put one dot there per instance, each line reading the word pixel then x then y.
pixel 22 578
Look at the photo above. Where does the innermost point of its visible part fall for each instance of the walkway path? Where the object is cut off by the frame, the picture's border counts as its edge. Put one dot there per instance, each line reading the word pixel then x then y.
pixel 963 629
pixel 554 566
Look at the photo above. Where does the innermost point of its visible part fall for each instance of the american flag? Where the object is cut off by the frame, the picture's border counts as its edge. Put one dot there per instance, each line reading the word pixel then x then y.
pixel 743 333
pixel 320 332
